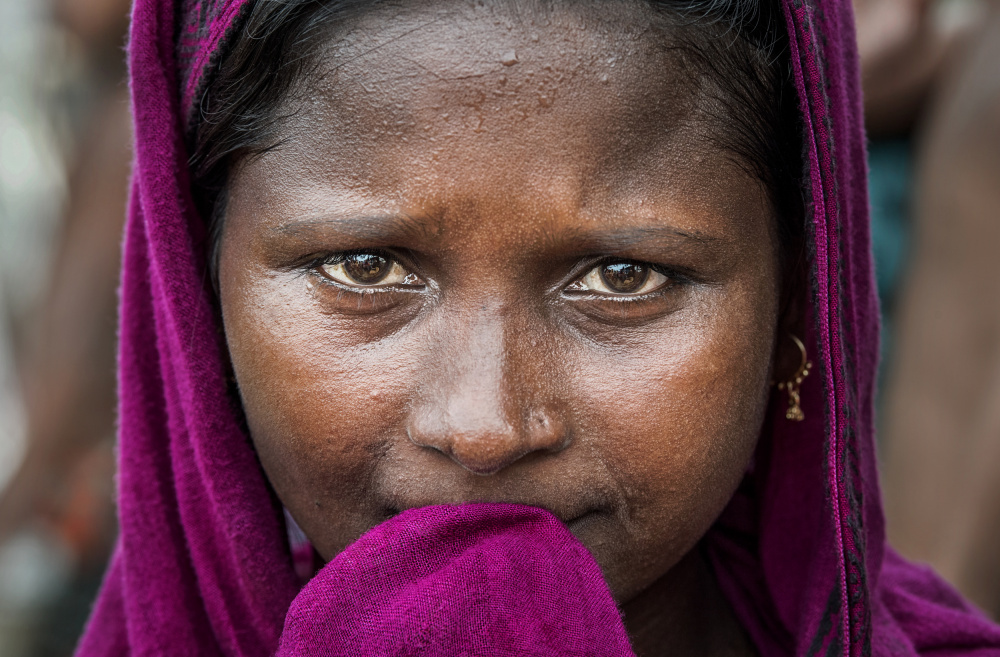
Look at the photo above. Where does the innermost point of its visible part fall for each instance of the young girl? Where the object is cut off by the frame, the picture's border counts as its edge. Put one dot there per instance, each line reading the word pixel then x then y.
pixel 535 327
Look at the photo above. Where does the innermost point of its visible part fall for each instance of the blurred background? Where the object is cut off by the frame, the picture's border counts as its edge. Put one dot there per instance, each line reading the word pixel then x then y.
pixel 931 73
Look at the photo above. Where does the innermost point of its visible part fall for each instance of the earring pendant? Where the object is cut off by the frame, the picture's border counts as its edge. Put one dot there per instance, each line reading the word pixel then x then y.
pixel 794 385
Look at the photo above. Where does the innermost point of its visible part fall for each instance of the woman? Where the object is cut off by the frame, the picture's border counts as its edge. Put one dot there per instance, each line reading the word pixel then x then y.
pixel 500 292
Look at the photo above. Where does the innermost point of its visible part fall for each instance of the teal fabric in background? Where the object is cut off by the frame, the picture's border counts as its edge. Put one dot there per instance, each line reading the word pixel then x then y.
pixel 890 188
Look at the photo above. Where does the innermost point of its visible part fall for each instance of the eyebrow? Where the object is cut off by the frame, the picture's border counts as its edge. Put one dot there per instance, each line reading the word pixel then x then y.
pixel 362 227
pixel 405 228
pixel 657 237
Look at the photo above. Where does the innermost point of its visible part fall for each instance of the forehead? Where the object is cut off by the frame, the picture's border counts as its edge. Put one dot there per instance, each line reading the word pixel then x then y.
pixel 586 98
pixel 539 44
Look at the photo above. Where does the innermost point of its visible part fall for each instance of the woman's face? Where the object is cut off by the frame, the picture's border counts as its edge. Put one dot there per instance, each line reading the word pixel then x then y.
pixel 497 257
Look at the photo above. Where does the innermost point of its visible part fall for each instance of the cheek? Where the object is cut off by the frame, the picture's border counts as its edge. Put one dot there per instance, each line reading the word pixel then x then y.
pixel 666 417
pixel 676 415
pixel 321 405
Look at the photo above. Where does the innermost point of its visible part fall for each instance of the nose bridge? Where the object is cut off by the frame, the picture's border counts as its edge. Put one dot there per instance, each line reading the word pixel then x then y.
pixel 478 404
pixel 476 377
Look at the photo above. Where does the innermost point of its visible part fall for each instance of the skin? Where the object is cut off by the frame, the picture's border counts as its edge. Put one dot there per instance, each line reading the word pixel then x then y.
pixel 498 171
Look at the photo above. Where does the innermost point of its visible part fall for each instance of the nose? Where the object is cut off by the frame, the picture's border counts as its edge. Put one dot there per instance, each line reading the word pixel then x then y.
pixel 484 401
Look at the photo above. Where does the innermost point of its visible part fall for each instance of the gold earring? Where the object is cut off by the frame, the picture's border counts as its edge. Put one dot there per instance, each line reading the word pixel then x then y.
pixel 792 386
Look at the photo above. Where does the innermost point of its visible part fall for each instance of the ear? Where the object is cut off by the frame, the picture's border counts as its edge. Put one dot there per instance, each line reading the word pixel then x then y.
pixel 791 319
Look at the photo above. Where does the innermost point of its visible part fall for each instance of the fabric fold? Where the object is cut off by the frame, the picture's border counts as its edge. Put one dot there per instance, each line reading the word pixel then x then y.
pixel 476 579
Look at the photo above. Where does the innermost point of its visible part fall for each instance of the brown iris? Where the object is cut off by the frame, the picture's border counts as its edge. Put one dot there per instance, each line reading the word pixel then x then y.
pixel 624 277
pixel 367 268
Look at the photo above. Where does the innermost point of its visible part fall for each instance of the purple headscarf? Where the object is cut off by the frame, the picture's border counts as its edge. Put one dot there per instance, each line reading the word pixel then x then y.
pixel 203 565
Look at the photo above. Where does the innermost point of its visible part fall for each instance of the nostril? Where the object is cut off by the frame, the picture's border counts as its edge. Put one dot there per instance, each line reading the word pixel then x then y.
pixel 547 432
pixel 425 439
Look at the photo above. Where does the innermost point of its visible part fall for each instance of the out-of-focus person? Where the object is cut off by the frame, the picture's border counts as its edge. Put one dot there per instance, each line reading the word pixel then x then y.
pixel 63 490
pixel 931 69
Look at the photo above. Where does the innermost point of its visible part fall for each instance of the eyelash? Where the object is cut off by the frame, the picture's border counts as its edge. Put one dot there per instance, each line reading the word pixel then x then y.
pixel 314 266
pixel 674 277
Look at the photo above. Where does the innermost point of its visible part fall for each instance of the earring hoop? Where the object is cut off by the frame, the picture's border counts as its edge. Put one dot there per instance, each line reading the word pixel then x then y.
pixel 794 384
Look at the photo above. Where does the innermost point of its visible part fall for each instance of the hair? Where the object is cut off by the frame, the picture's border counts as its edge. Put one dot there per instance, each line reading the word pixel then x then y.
pixel 736 52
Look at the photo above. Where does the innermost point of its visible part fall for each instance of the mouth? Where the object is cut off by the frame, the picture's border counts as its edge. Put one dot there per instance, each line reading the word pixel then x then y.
pixel 575 520
pixel 583 520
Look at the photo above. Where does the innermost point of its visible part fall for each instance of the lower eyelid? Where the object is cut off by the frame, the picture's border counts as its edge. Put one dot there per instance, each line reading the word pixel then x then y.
pixel 365 289
pixel 396 270
pixel 624 298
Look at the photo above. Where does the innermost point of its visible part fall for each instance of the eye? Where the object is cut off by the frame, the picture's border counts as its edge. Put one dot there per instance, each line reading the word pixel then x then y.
pixel 367 269
pixel 620 278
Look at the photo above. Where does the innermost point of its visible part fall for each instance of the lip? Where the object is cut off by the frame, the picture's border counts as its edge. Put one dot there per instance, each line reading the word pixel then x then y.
pixel 583 521
pixel 575 501
pixel 574 520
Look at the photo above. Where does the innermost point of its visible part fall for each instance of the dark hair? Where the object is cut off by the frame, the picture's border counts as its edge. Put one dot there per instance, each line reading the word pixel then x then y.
pixel 735 51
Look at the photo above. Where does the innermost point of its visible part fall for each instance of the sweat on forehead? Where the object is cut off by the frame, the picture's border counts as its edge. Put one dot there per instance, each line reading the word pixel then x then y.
pixel 613 72
pixel 457 81
pixel 430 53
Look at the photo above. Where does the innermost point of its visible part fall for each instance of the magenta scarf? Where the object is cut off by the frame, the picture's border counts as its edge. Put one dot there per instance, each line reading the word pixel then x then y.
pixel 203 565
